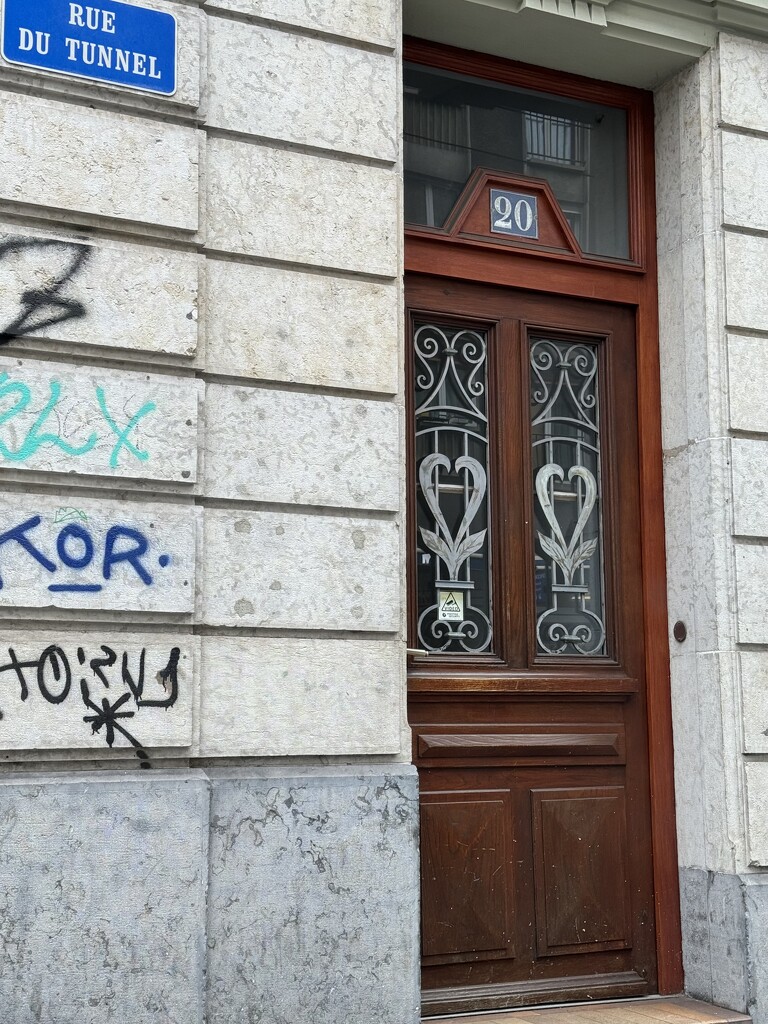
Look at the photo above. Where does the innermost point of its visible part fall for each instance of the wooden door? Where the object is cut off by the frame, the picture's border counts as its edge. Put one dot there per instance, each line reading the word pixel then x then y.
pixel 528 710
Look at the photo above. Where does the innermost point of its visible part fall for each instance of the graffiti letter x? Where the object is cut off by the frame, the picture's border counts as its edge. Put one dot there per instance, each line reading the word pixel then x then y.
pixel 122 434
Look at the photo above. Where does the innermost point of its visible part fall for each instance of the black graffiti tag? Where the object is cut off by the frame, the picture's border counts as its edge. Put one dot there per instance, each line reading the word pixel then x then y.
pixel 43 307
pixel 53 676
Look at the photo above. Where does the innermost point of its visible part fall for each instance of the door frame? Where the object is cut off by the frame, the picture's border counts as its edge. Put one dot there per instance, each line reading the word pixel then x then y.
pixel 633 283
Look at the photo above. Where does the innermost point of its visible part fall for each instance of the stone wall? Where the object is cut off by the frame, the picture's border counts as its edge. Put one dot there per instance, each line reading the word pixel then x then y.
pixel 200 531
pixel 200 395
pixel 712 148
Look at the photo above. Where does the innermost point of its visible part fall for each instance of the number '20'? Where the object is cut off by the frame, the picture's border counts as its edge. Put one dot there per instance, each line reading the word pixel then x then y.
pixel 513 216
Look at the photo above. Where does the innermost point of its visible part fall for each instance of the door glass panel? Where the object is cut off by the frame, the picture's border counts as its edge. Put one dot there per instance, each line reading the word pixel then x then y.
pixel 568 557
pixel 453 549
pixel 454 123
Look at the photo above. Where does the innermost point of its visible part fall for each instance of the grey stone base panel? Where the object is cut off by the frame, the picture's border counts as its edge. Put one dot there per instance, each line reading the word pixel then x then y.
pixel 226 897
pixel 725 939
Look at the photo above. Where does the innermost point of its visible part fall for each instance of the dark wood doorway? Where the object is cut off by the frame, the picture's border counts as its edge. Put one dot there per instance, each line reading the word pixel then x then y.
pixel 536 854
pixel 540 711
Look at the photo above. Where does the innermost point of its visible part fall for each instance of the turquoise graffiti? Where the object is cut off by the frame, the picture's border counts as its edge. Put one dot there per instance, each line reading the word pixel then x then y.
pixel 41 435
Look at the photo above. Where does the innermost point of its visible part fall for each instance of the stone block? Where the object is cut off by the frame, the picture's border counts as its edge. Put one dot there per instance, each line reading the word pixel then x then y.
pixel 728 940
pixel 127 556
pixel 694 914
pixel 189 27
pixel 111 171
pixel 55 701
pixel 672 351
pixel 754 696
pixel 91 421
pixel 748 383
pixel 295 571
pixel 307 328
pixel 303 449
pixel 746 267
pixel 103 897
pixel 743 65
pixel 681 570
pixel 709 558
pixel 745 181
pixel 749 468
pixel 302 90
pixel 689 778
pixel 719 763
pixel 313 905
pixel 756 774
pixel 286 696
pixel 755 889
pixel 372 21
pixel 751 573
pixel 667 148
pixel 294 207
pixel 108 294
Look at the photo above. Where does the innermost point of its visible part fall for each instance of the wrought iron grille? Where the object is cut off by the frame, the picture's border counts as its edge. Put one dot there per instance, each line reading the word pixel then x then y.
pixel 570 607
pixel 453 551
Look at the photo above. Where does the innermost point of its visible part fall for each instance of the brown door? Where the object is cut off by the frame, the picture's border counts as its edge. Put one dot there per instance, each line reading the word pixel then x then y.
pixel 528 707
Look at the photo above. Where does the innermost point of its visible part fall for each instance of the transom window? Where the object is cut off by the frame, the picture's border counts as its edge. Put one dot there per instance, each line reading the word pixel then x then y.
pixel 455 123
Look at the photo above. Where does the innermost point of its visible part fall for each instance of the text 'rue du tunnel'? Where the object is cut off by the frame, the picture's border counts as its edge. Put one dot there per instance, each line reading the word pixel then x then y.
pixel 94 53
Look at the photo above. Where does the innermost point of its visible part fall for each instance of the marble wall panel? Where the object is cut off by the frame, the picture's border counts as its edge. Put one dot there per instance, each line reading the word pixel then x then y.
pixel 746 263
pixel 295 207
pixel 303 449
pixel 749 467
pixel 313 908
pixel 745 181
pixel 286 696
pixel 91 421
pixel 103 897
pixel 754 696
pixel 302 90
pixel 748 383
pixel 743 66
pixel 296 571
pixel 108 294
pixel 751 573
pixel 106 163
pixel 286 325
pixel 55 702
pixel 689 780
pixel 373 21
pixel 83 552
pixel 756 773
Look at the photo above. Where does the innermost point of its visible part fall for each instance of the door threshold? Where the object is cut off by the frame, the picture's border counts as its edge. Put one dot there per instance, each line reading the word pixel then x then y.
pixel 649 1010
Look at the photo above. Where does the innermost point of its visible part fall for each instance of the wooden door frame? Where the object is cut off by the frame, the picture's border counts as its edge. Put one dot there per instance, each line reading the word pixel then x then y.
pixel 633 283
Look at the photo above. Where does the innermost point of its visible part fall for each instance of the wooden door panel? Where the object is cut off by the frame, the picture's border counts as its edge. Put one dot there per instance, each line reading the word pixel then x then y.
pixel 530 760
pixel 581 870
pixel 465 851
pixel 528 744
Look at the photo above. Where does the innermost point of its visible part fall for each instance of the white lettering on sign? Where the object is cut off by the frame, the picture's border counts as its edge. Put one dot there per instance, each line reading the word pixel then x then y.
pixel 93 42
pixel 103 57
pixel 93 18
pixel 37 41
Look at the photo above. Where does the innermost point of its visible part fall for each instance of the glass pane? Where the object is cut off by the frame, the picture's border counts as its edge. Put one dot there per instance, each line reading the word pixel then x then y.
pixel 565 429
pixel 453 550
pixel 454 124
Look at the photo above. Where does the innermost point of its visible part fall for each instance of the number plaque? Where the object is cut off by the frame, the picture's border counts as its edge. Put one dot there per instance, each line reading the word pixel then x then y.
pixel 514 213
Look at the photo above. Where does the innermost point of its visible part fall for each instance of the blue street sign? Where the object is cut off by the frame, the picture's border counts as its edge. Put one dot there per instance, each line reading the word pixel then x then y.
pixel 101 40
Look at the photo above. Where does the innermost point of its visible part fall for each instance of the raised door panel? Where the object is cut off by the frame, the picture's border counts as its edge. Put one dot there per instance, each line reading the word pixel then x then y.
pixel 581 870
pixel 465 853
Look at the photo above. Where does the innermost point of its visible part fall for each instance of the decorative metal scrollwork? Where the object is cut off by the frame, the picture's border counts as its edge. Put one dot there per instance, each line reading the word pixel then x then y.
pixel 452 442
pixel 566 456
